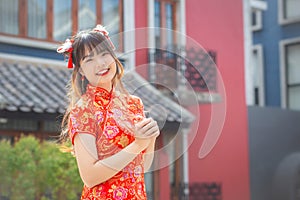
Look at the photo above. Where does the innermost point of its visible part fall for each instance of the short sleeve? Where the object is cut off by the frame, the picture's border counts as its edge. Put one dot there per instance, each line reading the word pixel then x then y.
pixel 136 106
pixel 82 120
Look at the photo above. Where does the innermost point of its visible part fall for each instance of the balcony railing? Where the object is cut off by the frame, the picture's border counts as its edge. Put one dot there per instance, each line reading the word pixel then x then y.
pixel 195 69
pixel 197 191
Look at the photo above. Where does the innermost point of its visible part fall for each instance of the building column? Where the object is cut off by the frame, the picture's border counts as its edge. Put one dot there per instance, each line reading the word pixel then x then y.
pixel 129 33
pixel 151 40
pixel 182 44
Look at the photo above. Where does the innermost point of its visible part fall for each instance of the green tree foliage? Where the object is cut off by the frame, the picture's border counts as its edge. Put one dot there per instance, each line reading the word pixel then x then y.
pixel 6 153
pixel 31 170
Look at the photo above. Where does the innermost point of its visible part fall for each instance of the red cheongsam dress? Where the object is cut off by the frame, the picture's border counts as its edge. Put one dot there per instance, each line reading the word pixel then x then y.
pixel 104 115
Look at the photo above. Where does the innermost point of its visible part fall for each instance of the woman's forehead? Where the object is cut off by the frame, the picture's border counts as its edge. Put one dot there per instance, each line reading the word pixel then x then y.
pixel 91 51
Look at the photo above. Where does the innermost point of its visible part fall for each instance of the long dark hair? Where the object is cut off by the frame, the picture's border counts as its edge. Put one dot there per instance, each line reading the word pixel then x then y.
pixel 83 41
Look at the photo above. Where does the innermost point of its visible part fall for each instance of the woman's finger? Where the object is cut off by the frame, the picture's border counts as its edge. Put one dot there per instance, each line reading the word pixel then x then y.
pixel 152 131
pixel 142 123
pixel 149 126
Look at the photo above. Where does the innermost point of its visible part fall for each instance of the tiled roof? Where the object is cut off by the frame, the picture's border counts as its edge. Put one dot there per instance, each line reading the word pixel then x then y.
pixel 158 106
pixel 40 88
pixel 32 87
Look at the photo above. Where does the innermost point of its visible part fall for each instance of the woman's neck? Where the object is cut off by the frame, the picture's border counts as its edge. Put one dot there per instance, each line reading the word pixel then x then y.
pixel 106 86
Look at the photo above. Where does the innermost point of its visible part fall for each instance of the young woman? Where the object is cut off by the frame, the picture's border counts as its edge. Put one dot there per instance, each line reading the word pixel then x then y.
pixel 112 140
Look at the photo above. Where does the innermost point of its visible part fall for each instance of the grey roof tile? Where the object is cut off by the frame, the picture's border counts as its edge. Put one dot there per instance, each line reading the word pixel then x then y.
pixel 155 102
pixel 34 87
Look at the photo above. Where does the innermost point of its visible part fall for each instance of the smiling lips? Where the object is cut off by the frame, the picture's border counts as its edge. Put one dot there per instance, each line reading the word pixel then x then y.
pixel 103 72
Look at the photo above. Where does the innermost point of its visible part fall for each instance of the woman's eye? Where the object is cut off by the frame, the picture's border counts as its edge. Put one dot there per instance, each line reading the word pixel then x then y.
pixel 105 53
pixel 88 60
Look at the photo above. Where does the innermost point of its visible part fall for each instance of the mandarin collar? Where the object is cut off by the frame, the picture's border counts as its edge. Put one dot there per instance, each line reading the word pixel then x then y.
pixel 102 97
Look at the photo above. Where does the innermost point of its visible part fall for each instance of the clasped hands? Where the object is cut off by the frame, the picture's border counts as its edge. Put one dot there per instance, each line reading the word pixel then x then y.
pixel 145 131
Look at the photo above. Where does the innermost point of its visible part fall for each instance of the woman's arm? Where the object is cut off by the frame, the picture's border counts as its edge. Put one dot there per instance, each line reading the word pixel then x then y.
pixel 94 171
pixel 149 154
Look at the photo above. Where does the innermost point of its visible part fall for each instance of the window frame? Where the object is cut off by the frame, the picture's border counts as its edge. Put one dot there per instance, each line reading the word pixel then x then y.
pixel 259 49
pixel 281 12
pixel 48 42
pixel 163 23
pixel 259 25
pixel 283 68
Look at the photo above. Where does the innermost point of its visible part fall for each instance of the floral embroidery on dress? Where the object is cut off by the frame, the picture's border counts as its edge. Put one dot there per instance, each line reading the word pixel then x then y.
pixel 110 131
pixel 138 170
pixel 116 113
pixel 123 140
pixel 99 116
pixel 119 193
pixel 109 116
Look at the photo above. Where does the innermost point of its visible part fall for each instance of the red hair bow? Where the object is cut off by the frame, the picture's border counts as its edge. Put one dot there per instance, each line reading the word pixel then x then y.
pixel 67 47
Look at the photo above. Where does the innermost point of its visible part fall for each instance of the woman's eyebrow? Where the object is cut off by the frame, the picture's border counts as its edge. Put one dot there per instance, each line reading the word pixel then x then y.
pixel 91 54
pixel 104 51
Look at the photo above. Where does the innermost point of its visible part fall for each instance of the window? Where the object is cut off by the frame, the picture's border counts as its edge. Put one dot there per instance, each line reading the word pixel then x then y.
pixel 9 17
pixel 169 23
pixel 157 23
pixel 256 20
pixel 165 23
pixel 257 75
pixel 62 15
pixel 293 75
pixel 165 18
pixel 289 11
pixel 55 20
pixel 290 70
pixel 19 124
pixel 51 126
pixel 36 16
pixel 112 21
pixel 87 16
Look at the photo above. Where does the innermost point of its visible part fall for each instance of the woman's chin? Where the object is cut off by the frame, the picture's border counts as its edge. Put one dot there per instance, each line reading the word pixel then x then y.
pixel 104 83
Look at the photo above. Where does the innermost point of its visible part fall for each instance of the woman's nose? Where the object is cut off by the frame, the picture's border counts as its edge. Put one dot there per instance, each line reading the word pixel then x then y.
pixel 101 62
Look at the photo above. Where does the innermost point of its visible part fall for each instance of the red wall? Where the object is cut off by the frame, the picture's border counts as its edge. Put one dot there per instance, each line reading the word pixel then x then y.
pixel 141 21
pixel 218 25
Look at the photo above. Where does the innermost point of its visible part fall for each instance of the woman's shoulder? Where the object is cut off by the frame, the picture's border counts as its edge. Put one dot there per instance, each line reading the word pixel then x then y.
pixel 128 98
pixel 83 104
pixel 135 104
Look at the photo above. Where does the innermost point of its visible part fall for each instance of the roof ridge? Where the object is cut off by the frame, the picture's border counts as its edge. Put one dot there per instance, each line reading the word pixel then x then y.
pixel 34 61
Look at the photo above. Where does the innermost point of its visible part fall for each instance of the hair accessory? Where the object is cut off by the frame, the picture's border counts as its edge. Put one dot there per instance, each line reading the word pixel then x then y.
pixel 101 29
pixel 67 47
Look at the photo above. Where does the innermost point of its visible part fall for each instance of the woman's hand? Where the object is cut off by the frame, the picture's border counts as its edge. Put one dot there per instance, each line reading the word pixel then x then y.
pixel 145 131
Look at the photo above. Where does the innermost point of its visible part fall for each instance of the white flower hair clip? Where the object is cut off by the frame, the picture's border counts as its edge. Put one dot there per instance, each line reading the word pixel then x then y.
pixel 67 47
pixel 101 29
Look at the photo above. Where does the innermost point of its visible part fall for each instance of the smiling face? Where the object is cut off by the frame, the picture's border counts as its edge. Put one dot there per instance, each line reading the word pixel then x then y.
pixel 94 58
pixel 99 68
